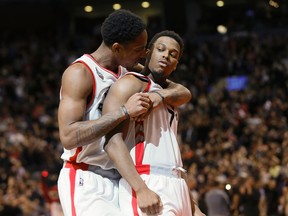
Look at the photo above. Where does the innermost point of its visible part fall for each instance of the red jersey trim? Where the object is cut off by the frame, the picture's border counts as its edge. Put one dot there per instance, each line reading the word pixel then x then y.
pixel 89 103
pixel 105 69
pixel 73 158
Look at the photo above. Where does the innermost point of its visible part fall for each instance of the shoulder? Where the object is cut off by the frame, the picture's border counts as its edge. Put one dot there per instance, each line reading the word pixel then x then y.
pixel 127 85
pixel 77 71
pixel 128 80
pixel 77 78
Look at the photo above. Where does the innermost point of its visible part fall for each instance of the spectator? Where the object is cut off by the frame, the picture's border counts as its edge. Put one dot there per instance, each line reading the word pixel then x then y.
pixel 217 200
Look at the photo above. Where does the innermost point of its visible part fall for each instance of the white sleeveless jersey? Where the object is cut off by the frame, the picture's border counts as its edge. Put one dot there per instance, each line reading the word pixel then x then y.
pixel 153 141
pixel 94 154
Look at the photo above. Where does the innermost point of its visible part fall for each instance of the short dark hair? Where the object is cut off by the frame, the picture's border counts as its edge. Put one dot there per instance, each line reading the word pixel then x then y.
pixel 121 26
pixel 168 33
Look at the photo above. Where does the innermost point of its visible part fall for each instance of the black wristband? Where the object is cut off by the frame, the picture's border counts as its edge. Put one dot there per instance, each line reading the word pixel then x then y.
pixel 160 95
pixel 125 112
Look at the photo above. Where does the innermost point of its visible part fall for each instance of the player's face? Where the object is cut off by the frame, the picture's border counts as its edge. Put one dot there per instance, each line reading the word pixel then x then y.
pixel 134 51
pixel 164 57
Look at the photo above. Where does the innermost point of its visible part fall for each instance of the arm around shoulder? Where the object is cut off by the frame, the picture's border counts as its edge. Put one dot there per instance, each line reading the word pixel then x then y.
pixel 175 94
pixel 74 131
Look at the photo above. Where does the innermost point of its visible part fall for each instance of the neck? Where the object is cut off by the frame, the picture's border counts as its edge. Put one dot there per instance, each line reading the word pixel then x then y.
pixel 157 78
pixel 104 56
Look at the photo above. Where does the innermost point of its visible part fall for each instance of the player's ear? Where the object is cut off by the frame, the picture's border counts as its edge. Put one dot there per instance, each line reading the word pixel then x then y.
pixel 116 47
pixel 148 52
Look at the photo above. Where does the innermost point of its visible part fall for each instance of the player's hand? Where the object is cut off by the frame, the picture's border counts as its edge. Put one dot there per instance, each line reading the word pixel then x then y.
pixel 155 102
pixel 149 202
pixel 138 104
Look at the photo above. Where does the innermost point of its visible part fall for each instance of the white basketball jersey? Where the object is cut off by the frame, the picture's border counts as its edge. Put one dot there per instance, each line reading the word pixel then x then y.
pixel 153 141
pixel 93 154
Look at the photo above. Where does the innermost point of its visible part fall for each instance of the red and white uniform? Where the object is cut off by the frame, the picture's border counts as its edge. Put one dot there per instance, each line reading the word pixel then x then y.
pixel 86 186
pixel 155 151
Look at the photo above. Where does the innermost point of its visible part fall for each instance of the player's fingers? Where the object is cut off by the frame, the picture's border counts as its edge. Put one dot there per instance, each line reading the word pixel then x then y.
pixel 145 114
pixel 144 96
pixel 156 208
pixel 159 206
pixel 150 211
pixel 147 102
pixel 145 210
pixel 146 105
pixel 153 210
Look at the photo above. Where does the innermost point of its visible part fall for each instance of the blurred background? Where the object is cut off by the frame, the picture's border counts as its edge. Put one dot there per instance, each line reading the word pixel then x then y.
pixel 233 134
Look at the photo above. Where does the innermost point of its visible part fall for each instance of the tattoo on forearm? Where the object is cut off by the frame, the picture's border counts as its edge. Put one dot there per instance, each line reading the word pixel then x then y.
pixel 87 132
pixel 84 133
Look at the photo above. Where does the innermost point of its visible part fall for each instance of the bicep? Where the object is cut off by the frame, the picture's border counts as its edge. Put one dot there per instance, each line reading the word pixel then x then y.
pixel 119 93
pixel 117 96
pixel 70 110
pixel 76 86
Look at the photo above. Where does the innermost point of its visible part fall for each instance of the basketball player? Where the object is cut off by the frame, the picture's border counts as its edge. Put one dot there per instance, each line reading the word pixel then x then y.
pixel 88 182
pixel 152 143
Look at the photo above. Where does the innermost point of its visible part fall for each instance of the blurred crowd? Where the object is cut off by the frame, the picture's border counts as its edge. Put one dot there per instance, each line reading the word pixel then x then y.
pixel 236 140
pixel 232 141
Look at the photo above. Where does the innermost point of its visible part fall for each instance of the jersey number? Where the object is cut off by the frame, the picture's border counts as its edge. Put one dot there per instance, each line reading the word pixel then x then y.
pixel 171 111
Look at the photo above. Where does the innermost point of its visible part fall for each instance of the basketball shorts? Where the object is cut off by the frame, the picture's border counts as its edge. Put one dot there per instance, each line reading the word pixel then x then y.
pixel 85 193
pixel 173 191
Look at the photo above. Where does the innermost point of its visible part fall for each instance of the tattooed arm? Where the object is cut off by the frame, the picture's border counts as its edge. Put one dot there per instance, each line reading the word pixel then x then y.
pixel 76 87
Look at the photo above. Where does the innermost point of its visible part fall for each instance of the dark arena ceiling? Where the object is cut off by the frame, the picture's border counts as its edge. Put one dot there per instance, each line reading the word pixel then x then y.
pixel 201 15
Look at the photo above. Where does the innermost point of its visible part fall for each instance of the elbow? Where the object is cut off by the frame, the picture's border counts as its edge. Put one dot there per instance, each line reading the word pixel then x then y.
pixel 109 143
pixel 188 95
pixel 113 145
pixel 68 136
pixel 185 95
pixel 67 142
